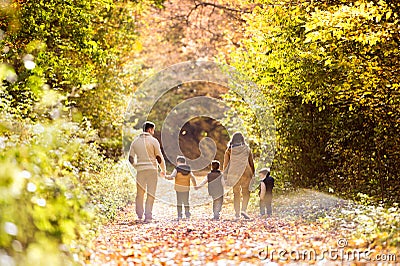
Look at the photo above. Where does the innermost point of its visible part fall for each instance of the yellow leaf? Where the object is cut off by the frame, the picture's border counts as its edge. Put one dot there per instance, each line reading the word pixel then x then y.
pixel 137 46
pixel 388 14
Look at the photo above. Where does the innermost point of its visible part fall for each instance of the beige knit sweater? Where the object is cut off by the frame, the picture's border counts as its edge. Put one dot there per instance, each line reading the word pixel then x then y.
pixel 238 162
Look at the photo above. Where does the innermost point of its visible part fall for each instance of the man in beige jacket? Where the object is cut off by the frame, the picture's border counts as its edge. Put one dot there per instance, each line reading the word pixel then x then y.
pixel 145 155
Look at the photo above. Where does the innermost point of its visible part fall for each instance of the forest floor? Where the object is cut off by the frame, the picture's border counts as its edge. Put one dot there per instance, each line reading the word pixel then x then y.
pixel 295 234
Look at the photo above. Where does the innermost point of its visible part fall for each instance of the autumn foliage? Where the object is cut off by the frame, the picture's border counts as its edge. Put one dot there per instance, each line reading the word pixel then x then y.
pixel 328 70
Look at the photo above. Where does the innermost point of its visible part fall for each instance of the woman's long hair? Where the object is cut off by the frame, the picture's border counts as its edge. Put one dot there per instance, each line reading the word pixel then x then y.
pixel 237 140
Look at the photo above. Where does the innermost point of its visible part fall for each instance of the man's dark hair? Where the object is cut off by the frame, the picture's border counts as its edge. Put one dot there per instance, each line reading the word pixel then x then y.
pixel 215 165
pixel 180 159
pixel 148 125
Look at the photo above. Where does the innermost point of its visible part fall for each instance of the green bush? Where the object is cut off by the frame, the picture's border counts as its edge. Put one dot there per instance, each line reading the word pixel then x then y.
pixel 110 189
pixel 42 202
pixel 53 184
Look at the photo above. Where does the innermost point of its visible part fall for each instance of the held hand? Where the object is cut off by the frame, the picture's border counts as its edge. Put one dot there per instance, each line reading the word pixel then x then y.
pixel 162 174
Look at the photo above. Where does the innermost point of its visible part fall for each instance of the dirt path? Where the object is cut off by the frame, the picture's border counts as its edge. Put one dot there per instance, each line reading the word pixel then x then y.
pixel 293 230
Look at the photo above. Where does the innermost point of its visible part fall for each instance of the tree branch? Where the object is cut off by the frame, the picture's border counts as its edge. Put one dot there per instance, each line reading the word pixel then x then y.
pixel 221 7
pixel 215 6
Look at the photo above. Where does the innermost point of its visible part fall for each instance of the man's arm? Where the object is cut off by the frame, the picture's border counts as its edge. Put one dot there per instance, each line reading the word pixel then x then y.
pixel 159 157
pixel 132 154
pixel 172 175
pixel 131 159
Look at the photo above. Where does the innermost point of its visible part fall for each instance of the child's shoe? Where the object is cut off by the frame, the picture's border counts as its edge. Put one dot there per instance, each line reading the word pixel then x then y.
pixel 245 215
pixel 215 218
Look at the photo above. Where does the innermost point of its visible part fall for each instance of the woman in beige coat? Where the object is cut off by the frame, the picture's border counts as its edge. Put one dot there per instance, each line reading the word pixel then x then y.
pixel 238 171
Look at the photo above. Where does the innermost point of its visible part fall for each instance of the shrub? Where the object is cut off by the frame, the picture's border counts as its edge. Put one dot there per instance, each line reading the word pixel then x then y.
pixel 55 187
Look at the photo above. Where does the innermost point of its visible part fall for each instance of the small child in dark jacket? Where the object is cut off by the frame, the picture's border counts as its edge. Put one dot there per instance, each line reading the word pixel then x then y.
pixel 266 186
pixel 215 187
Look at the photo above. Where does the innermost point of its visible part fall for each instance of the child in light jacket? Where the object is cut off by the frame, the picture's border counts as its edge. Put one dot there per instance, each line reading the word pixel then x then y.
pixel 183 176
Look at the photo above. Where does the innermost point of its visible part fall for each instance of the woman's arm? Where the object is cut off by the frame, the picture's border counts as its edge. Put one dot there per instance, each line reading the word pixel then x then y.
pixel 251 162
pixel 227 157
